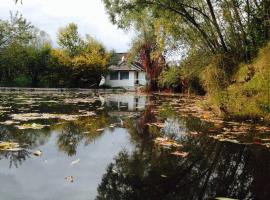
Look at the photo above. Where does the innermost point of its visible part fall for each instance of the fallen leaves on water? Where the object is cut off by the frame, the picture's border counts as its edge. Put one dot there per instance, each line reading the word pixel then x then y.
pixel 10 146
pixel 9 122
pixel 35 116
pixel 180 154
pixel 193 133
pixel 79 100
pixel 222 138
pixel 37 153
pixel 166 142
pixel 224 198
pixel 31 126
pixel 75 162
pixel 70 179
pixel 158 124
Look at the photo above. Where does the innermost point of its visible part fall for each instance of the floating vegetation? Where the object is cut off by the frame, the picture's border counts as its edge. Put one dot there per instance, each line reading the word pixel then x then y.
pixel 75 162
pixel 36 116
pixel 80 100
pixel 165 142
pixel 180 154
pixel 9 122
pixel 10 146
pixel 31 126
pixel 70 179
pixel 37 153
pixel 157 124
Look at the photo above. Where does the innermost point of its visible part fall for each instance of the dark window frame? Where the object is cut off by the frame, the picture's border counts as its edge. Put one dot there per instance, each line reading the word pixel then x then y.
pixel 113 77
pixel 124 75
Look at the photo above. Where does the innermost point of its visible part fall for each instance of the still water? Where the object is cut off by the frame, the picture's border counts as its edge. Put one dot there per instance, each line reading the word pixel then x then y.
pixel 102 146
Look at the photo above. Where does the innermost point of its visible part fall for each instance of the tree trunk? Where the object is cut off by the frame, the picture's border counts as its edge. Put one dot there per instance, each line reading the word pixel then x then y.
pixel 216 25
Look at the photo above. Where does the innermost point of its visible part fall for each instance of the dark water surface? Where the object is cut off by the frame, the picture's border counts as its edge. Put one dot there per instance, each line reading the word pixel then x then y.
pixel 106 143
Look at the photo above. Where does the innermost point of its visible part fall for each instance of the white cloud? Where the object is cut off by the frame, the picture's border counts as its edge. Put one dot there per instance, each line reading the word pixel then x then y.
pixel 90 15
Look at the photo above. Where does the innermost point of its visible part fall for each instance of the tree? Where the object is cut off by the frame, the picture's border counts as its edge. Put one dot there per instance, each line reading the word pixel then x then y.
pixel 86 58
pixel 17 29
pixel 226 26
pixel 91 64
pixel 70 40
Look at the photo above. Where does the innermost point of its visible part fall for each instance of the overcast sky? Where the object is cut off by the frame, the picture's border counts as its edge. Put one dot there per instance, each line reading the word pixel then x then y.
pixel 90 15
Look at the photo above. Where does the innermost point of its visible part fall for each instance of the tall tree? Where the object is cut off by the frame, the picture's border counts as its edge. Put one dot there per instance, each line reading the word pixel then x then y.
pixel 70 40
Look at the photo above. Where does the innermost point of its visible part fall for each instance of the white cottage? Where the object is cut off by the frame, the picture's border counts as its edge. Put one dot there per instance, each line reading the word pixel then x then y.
pixel 126 75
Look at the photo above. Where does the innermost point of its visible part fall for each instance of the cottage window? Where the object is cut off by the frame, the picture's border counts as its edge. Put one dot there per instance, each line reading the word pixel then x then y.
pixel 113 75
pixel 124 75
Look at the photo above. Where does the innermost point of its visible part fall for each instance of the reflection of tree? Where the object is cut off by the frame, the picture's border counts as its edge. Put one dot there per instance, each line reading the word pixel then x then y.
pixel 211 169
pixel 74 132
pixel 15 158
pixel 69 138
pixel 28 139
pixel 33 138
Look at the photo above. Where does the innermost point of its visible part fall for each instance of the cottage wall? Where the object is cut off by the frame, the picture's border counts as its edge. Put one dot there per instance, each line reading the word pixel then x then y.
pixel 121 83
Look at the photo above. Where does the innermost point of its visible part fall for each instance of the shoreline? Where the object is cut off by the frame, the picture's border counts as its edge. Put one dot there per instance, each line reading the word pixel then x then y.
pixel 25 89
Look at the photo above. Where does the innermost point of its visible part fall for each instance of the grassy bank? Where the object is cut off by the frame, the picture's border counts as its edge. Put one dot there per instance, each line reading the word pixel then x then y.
pixel 233 89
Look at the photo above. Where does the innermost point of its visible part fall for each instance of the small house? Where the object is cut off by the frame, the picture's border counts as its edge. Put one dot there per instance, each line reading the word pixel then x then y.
pixel 126 75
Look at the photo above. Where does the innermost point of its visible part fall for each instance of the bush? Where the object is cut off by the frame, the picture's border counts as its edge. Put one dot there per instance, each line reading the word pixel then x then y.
pixel 248 95
pixel 22 81
pixel 170 79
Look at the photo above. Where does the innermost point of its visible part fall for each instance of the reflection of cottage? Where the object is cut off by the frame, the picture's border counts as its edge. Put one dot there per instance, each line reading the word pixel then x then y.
pixel 125 102
pixel 126 75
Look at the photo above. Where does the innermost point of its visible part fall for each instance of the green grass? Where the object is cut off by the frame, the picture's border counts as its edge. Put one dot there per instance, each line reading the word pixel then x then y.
pixel 248 98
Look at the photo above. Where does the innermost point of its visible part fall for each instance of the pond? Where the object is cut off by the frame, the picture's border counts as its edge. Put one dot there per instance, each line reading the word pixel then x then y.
pixel 82 145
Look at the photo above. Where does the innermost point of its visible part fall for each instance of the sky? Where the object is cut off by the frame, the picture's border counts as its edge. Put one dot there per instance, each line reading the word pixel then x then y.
pixel 89 15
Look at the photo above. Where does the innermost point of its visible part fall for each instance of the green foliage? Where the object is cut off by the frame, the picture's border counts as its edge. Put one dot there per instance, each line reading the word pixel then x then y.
pixel 22 81
pixel 16 30
pixel 85 67
pixel 249 95
pixel 170 78
pixel 27 58
pixel 70 40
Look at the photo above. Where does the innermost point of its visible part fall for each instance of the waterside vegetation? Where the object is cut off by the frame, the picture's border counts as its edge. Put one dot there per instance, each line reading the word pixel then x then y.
pixel 223 45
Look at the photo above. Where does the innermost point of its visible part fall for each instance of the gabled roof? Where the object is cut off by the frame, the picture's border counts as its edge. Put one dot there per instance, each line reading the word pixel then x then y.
pixel 125 66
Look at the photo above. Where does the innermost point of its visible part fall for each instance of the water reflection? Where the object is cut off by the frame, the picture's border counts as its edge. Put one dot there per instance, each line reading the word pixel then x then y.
pixel 16 158
pixel 104 126
pixel 212 169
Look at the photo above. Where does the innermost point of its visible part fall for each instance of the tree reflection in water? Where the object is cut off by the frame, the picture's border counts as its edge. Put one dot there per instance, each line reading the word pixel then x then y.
pixel 29 139
pixel 16 158
pixel 85 129
pixel 212 169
